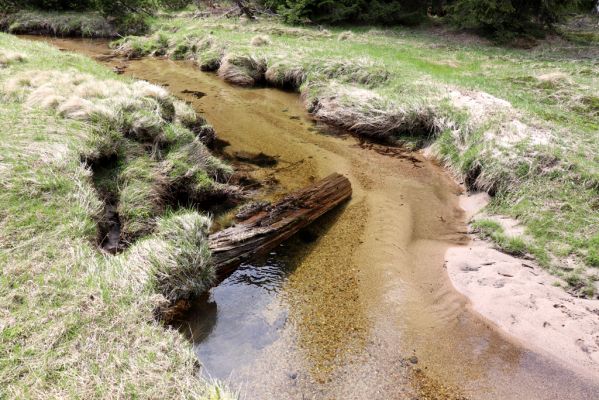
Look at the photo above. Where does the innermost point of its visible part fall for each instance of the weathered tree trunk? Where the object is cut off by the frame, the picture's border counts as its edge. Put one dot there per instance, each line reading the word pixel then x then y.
pixel 265 230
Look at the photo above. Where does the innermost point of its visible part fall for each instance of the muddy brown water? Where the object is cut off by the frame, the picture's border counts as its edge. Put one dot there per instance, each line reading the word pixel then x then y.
pixel 359 306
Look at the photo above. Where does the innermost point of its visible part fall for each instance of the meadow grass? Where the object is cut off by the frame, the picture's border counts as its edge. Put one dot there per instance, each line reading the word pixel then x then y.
pixel 520 124
pixel 82 24
pixel 75 322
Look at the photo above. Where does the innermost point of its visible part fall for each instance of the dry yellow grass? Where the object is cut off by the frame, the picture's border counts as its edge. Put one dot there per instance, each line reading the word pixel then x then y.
pixel 260 40
pixel 8 57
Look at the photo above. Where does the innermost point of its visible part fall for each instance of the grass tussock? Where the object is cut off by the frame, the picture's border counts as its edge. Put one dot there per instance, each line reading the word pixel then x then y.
pixel 519 124
pixel 347 35
pixel 74 322
pixel 242 70
pixel 10 57
pixel 260 40
pixel 176 259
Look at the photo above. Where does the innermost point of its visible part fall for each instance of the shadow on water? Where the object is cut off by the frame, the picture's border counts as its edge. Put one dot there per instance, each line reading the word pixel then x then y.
pixel 244 314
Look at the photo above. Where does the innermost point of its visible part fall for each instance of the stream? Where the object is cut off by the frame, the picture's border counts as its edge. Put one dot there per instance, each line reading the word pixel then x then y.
pixel 359 305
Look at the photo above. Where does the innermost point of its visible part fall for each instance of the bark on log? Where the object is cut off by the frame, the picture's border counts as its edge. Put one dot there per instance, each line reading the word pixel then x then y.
pixel 262 232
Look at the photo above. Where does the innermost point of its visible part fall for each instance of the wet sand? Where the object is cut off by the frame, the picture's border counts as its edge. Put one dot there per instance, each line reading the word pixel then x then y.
pixel 367 310
pixel 521 298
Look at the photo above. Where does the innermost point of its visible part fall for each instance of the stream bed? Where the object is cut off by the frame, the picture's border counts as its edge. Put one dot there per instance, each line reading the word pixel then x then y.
pixel 359 305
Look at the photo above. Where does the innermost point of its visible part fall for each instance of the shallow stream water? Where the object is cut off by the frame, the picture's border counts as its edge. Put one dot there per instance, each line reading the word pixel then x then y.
pixel 359 306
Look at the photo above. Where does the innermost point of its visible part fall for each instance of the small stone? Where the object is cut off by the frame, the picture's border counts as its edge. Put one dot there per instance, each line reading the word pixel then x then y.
pixel 413 360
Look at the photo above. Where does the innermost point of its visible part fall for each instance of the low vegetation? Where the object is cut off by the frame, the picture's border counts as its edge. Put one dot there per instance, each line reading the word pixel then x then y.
pixel 500 19
pixel 519 124
pixel 89 24
pixel 75 322
pixel 513 245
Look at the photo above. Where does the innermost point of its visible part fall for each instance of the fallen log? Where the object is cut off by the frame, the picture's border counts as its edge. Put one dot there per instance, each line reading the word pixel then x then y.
pixel 263 229
pixel 260 233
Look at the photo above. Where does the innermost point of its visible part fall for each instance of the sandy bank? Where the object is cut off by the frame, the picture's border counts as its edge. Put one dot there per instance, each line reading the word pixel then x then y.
pixel 520 298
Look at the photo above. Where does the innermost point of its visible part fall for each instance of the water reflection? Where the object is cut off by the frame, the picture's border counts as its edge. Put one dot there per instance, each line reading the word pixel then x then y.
pixel 239 318
pixel 247 313
pixel 267 275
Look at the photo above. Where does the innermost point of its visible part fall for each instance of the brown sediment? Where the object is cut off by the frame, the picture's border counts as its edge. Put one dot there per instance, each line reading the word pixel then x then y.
pixel 371 291
pixel 324 303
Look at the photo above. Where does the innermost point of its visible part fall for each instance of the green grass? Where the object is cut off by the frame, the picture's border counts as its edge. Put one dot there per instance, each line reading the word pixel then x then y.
pixel 513 245
pixel 74 322
pixel 521 124
pixel 60 24
pixel 76 24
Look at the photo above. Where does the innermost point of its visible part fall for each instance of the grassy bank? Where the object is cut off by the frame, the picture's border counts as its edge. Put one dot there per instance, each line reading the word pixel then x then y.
pixel 75 24
pixel 520 124
pixel 75 322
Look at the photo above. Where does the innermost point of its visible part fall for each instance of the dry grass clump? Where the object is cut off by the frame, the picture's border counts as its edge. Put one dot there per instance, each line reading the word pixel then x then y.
pixel 157 44
pixel 366 113
pixel 499 121
pixel 177 257
pixel 187 47
pixel 480 107
pixel 191 170
pixel 210 59
pixel 553 80
pixel 205 50
pixel 198 156
pixel 285 74
pixel 131 47
pixel 346 35
pixel 242 70
pixel 485 137
pixel 8 57
pixel 380 32
pixel 260 40
pixel 138 110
